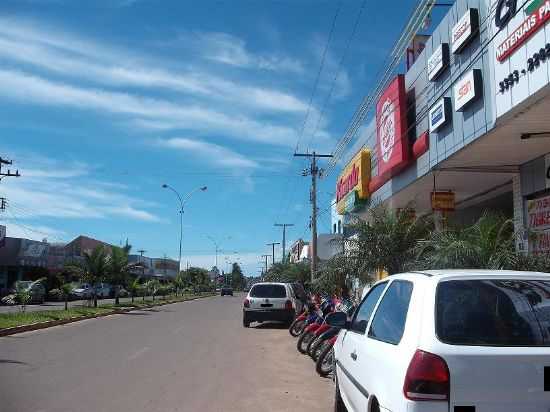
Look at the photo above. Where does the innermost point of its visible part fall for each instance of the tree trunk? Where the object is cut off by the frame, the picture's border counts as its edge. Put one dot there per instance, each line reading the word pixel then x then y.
pixel 144 293
pixel 95 300
pixel 66 302
pixel 117 299
pixel 133 297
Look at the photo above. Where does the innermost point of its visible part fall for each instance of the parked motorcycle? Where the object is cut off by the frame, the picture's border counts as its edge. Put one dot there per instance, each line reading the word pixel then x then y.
pixel 301 321
pixel 308 334
pixel 325 362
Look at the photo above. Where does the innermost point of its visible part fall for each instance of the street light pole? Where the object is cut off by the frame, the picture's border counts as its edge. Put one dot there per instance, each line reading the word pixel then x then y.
pixel 182 205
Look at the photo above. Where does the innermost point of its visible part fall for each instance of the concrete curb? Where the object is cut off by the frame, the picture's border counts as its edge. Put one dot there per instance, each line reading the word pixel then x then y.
pixel 50 323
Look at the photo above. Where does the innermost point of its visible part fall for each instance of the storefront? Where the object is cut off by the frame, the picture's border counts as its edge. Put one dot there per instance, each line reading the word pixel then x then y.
pixel 469 123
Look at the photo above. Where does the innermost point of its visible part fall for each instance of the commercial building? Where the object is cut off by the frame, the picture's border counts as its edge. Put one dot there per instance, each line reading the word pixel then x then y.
pixel 21 259
pixel 467 127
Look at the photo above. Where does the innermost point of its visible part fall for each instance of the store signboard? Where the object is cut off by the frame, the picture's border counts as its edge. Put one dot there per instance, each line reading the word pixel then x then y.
pixel 354 180
pixel 443 201
pixel 391 126
pixel 33 249
pixel 537 13
pixel 2 235
pixel 464 30
pixel 440 114
pixel 538 215
pixel 467 89
pixel 438 61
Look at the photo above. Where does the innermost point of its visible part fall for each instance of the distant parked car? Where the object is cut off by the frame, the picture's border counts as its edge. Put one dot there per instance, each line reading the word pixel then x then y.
pixel 37 290
pixel 83 291
pixel 103 290
pixel 226 290
pixel 446 340
pixel 270 302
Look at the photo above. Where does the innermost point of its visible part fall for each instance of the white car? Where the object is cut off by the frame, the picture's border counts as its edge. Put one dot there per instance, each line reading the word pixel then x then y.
pixel 84 291
pixel 270 302
pixel 447 341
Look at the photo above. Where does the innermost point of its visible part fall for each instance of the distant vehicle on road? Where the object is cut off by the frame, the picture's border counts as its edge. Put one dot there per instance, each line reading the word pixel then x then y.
pixel 270 302
pixel 36 289
pixel 83 291
pixel 104 290
pixel 446 340
pixel 226 290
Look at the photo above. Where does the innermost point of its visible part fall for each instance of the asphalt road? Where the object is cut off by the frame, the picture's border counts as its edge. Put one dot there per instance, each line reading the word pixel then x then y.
pixel 190 356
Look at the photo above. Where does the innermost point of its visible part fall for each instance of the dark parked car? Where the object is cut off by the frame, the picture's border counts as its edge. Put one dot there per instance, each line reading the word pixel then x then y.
pixel 226 290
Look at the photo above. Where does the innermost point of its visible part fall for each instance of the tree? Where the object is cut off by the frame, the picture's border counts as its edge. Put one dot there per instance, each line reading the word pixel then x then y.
pixel 197 278
pixel 119 268
pixel 386 240
pixel 135 287
pixel 336 274
pixel 66 288
pixel 152 286
pixel 93 269
pixel 238 281
pixel 179 282
pixel 288 272
pixel 489 244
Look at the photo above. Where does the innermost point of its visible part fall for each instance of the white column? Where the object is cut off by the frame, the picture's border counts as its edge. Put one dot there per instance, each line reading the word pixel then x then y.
pixel 519 227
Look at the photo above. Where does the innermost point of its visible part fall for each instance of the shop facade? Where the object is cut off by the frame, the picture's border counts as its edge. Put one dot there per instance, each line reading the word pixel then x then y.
pixel 467 127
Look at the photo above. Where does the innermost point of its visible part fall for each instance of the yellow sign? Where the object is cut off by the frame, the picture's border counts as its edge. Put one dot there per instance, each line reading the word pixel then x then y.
pixel 354 178
pixel 444 201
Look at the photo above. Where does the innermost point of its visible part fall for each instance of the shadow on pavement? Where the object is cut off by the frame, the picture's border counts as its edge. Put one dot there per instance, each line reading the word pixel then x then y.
pixel 271 325
pixel 2 361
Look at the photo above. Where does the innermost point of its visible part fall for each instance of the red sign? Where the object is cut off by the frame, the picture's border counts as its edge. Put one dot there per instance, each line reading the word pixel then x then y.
pixel 391 126
pixel 346 183
pixel 526 29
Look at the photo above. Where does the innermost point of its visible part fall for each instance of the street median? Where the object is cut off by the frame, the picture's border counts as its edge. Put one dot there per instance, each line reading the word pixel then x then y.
pixel 12 323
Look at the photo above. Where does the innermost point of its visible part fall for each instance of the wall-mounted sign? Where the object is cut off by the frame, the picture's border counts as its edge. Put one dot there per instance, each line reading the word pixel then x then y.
pixel 354 180
pixel 537 14
pixel 506 9
pixel 391 128
pixel 464 30
pixel 538 218
pixel 438 61
pixel 440 114
pixel 351 203
pixel 467 89
pixel 443 201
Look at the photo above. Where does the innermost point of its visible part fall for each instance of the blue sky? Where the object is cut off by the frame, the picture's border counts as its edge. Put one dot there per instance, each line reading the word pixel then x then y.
pixel 104 101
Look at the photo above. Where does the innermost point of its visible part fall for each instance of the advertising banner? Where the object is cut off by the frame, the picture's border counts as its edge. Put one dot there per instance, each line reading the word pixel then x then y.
pixel 443 201
pixel 538 215
pixel 33 249
pixel 391 127
pixel 354 181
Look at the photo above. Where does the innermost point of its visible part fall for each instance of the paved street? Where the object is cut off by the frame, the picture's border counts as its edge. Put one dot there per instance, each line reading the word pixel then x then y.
pixel 191 356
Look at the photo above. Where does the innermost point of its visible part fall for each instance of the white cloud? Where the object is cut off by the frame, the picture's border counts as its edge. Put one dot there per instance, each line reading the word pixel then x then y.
pixel 145 112
pixel 231 50
pixel 37 47
pixel 213 153
pixel 34 232
pixel 69 192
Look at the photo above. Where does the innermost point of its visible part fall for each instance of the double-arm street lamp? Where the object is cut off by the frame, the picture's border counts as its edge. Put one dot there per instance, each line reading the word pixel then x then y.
pixel 182 202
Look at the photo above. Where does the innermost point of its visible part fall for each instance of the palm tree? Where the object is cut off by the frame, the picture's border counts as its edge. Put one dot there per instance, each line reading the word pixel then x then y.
pixel 489 243
pixel 119 268
pixel 386 240
pixel 66 289
pixel 134 287
pixel 152 286
pixel 179 282
pixel 93 269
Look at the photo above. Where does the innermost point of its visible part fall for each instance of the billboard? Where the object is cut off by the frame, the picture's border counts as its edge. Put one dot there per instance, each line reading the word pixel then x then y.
pixel 391 127
pixel 353 182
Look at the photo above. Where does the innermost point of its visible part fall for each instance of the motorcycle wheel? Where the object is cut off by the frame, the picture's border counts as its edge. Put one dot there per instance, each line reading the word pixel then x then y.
pixel 318 349
pixel 325 363
pixel 303 341
pixel 312 344
pixel 296 328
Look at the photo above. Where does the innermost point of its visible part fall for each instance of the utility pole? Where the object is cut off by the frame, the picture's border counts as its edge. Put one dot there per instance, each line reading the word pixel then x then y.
pixel 265 257
pixel 314 172
pixel 284 226
pixel 3 203
pixel 273 248
pixel 9 172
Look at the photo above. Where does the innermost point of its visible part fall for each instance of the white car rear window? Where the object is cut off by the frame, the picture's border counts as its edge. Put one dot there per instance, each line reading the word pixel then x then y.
pixel 268 291
pixel 497 312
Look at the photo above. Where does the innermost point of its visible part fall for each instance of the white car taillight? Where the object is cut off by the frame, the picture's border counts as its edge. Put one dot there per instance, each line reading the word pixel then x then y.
pixel 427 378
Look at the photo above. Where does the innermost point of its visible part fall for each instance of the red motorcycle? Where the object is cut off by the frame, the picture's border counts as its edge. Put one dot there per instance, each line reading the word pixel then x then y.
pixel 325 361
